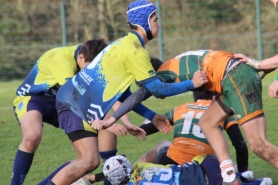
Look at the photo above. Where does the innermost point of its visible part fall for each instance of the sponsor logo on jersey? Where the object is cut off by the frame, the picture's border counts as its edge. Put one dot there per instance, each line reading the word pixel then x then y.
pixel 87 78
pixel 151 72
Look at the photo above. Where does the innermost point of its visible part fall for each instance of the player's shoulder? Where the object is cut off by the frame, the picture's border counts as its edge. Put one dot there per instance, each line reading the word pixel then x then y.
pixel 131 42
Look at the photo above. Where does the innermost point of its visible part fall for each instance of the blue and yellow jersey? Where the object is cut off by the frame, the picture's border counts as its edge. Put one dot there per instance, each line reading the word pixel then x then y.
pixel 189 140
pixel 183 67
pixel 96 88
pixel 148 173
pixel 51 70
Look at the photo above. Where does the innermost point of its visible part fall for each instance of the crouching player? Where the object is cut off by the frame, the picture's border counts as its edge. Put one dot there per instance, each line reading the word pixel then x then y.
pixel 203 170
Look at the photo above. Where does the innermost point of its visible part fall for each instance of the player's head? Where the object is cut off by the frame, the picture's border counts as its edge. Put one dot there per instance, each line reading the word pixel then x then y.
pixel 156 63
pixel 139 14
pixel 210 168
pixel 201 94
pixel 91 48
pixel 117 170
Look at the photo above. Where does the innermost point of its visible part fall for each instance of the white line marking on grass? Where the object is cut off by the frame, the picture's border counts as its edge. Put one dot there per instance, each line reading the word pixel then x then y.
pixel 6 108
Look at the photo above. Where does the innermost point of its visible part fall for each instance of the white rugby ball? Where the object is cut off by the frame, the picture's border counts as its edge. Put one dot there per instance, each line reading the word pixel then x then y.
pixel 81 181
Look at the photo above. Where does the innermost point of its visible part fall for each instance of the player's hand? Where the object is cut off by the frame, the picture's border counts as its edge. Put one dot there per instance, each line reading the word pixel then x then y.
pixel 91 178
pixel 250 61
pixel 162 124
pixel 118 129
pixel 136 131
pixel 273 90
pixel 199 78
pixel 242 57
pixel 100 124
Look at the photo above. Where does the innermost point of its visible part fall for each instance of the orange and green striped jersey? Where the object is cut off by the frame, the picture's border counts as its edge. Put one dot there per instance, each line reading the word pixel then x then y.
pixel 183 67
pixel 189 140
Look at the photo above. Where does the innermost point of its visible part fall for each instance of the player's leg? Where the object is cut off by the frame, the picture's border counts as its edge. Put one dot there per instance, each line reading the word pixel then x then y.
pixel 85 143
pixel 255 132
pixel 244 92
pixel 209 125
pixel 107 142
pixel 150 156
pixel 31 128
pixel 86 147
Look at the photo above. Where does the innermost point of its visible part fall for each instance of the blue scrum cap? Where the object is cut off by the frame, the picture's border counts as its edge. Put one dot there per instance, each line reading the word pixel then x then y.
pixel 139 13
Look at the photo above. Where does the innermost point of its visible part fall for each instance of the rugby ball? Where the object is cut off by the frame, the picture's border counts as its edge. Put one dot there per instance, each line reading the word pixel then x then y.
pixel 81 181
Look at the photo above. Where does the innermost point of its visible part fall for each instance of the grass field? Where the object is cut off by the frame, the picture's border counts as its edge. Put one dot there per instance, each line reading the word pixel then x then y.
pixel 55 148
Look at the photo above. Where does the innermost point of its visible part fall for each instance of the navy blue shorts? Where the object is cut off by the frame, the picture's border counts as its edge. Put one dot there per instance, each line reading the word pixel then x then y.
pixel 44 104
pixel 69 121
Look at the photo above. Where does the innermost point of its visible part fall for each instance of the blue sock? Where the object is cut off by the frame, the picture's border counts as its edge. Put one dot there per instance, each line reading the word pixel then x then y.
pixel 48 179
pixel 104 156
pixel 22 164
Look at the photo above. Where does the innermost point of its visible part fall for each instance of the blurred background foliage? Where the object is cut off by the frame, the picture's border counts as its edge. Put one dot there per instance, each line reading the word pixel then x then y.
pixel 28 28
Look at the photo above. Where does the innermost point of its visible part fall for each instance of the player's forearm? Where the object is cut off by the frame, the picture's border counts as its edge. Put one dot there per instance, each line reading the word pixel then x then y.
pixel 149 128
pixel 131 102
pixel 144 111
pixel 269 63
pixel 161 90
pixel 124 119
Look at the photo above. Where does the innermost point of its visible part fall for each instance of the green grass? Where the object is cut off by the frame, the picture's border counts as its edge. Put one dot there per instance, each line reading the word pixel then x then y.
pixel 56 149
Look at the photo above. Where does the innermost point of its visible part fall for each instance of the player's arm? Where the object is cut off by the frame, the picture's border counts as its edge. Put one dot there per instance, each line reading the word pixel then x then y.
pixel 161 90
pixel 239 144
pixel 145 75
pixel 140 108
pixel 132 101
pixel 269 63
pixel 156 125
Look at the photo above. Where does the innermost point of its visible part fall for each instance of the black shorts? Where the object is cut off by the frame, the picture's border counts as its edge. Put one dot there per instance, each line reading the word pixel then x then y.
pixel 80 134
pixel 162 158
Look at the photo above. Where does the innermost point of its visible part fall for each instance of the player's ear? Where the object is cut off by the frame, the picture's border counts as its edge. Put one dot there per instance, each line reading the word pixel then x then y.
pixel 81 57
pixel 81 61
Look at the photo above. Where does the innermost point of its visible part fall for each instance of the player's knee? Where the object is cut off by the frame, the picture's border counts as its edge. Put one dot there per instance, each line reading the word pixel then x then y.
pixel 91 164
pixel 257 145
pixel 30 143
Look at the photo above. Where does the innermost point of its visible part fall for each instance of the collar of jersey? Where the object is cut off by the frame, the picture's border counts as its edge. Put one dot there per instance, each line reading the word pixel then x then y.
pixel 139 37
pixel 76 52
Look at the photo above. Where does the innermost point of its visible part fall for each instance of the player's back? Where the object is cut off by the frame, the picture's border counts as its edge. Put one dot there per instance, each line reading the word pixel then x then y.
pixel 189 139
pixel 51 69
pixel 148 173
pixel 95 89
pixel 181 67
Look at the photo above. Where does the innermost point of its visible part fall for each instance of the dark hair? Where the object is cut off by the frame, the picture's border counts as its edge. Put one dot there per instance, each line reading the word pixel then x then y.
pixel 132 26
pixel 91 48
pixel 201 93
pixel 156 63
